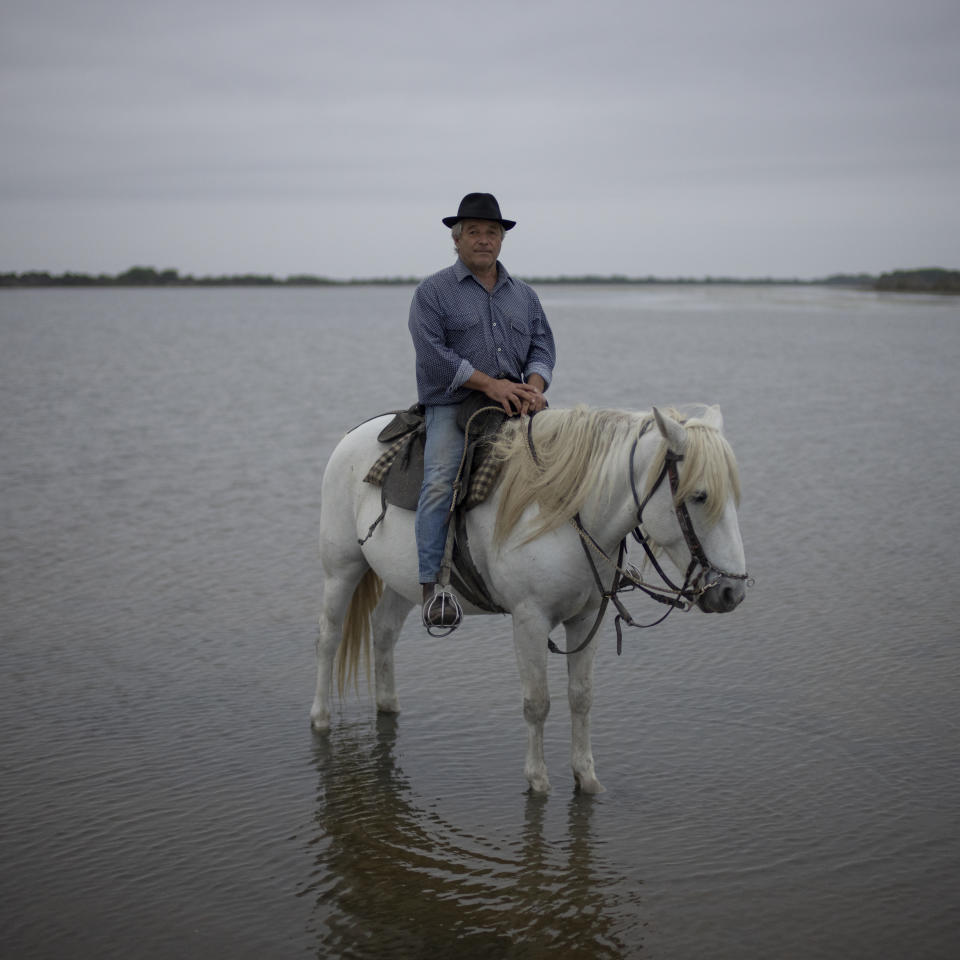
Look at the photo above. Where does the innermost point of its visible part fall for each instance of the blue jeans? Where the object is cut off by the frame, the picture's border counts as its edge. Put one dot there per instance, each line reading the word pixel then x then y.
pixel 441 460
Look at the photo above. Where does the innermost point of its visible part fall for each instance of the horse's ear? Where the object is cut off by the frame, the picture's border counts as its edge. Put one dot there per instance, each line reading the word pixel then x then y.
pixel 671 431
pixel 712 417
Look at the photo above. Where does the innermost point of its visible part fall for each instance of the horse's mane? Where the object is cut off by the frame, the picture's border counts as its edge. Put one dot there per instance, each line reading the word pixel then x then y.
pixel 580 452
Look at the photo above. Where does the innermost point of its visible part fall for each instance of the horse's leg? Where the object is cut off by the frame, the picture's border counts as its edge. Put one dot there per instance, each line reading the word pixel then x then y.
pixel 388 618
pixel 580 693
pixel 337 593
pixel 530 631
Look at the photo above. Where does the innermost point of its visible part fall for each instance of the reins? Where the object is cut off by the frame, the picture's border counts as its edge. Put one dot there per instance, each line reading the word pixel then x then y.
pixel 624 580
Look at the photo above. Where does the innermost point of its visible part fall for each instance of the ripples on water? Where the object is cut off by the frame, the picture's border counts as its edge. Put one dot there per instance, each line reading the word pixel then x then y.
pixel 781 781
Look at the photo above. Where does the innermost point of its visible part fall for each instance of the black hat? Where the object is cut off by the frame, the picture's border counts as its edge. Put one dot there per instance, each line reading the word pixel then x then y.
pixel 479 206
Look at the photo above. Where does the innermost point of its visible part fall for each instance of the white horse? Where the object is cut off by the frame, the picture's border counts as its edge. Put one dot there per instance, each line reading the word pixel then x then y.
pixel 597 468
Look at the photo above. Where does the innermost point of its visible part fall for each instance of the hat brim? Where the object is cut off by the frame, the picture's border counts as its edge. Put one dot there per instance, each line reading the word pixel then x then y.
pixel 506 224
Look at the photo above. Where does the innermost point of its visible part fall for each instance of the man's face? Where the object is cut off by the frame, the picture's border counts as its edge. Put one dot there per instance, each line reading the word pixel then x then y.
pixel 479 244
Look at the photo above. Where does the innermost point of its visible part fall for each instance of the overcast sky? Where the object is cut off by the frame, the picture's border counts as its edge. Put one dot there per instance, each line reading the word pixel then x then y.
pixel 679 138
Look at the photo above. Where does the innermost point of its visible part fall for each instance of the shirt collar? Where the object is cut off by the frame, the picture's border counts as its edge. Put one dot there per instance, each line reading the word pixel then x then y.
pixel 462 271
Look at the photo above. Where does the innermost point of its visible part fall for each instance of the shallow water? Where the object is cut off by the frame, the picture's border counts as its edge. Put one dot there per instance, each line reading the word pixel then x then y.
pixel 781 781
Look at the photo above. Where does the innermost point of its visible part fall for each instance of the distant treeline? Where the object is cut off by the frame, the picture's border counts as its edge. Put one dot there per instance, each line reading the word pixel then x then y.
pixel 926 280
pixel 151 277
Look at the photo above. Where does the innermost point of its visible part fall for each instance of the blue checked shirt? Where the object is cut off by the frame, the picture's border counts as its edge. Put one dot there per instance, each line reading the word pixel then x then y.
pixel 458 328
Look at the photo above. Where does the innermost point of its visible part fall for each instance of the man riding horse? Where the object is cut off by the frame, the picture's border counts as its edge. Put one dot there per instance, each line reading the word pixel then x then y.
pixel 474 328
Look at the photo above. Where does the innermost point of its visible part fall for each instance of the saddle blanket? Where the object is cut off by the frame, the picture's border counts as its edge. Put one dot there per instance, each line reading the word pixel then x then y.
pixel 483 476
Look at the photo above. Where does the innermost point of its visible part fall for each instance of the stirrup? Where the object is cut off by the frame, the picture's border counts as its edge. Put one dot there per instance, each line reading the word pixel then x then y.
pixel 442 613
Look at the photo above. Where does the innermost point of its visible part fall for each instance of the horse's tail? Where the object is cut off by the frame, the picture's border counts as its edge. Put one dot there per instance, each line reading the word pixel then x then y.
pixel 356 631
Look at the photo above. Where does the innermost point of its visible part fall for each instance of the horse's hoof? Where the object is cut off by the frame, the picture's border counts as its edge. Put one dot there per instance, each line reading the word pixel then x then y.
pixel 540 785
pixel 588 785
pixel 320 722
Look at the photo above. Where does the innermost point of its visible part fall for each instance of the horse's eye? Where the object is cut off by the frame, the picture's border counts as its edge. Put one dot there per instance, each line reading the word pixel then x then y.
pixel 700 497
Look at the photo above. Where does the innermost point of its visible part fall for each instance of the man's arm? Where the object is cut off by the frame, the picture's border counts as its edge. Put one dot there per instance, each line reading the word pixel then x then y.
pixel 542 355
pixel 444 367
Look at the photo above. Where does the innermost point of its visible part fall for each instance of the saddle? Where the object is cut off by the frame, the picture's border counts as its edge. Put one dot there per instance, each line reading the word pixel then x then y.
pixel 398 471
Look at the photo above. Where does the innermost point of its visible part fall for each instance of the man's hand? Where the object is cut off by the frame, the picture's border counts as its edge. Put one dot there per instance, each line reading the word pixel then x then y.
pixel 539 401
pixel 513 397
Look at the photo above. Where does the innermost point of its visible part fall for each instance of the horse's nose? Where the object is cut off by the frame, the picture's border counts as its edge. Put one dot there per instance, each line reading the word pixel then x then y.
pixel 732 593
pixel 725 595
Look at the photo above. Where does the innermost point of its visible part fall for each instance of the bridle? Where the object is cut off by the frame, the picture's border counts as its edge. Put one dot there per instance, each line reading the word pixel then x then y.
pixel 699 576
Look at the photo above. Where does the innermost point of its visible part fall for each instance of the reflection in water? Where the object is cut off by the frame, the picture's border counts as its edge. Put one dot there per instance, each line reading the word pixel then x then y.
pixel 393 879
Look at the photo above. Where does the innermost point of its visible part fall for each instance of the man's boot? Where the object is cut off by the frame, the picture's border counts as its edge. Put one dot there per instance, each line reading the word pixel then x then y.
pixel 440 608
